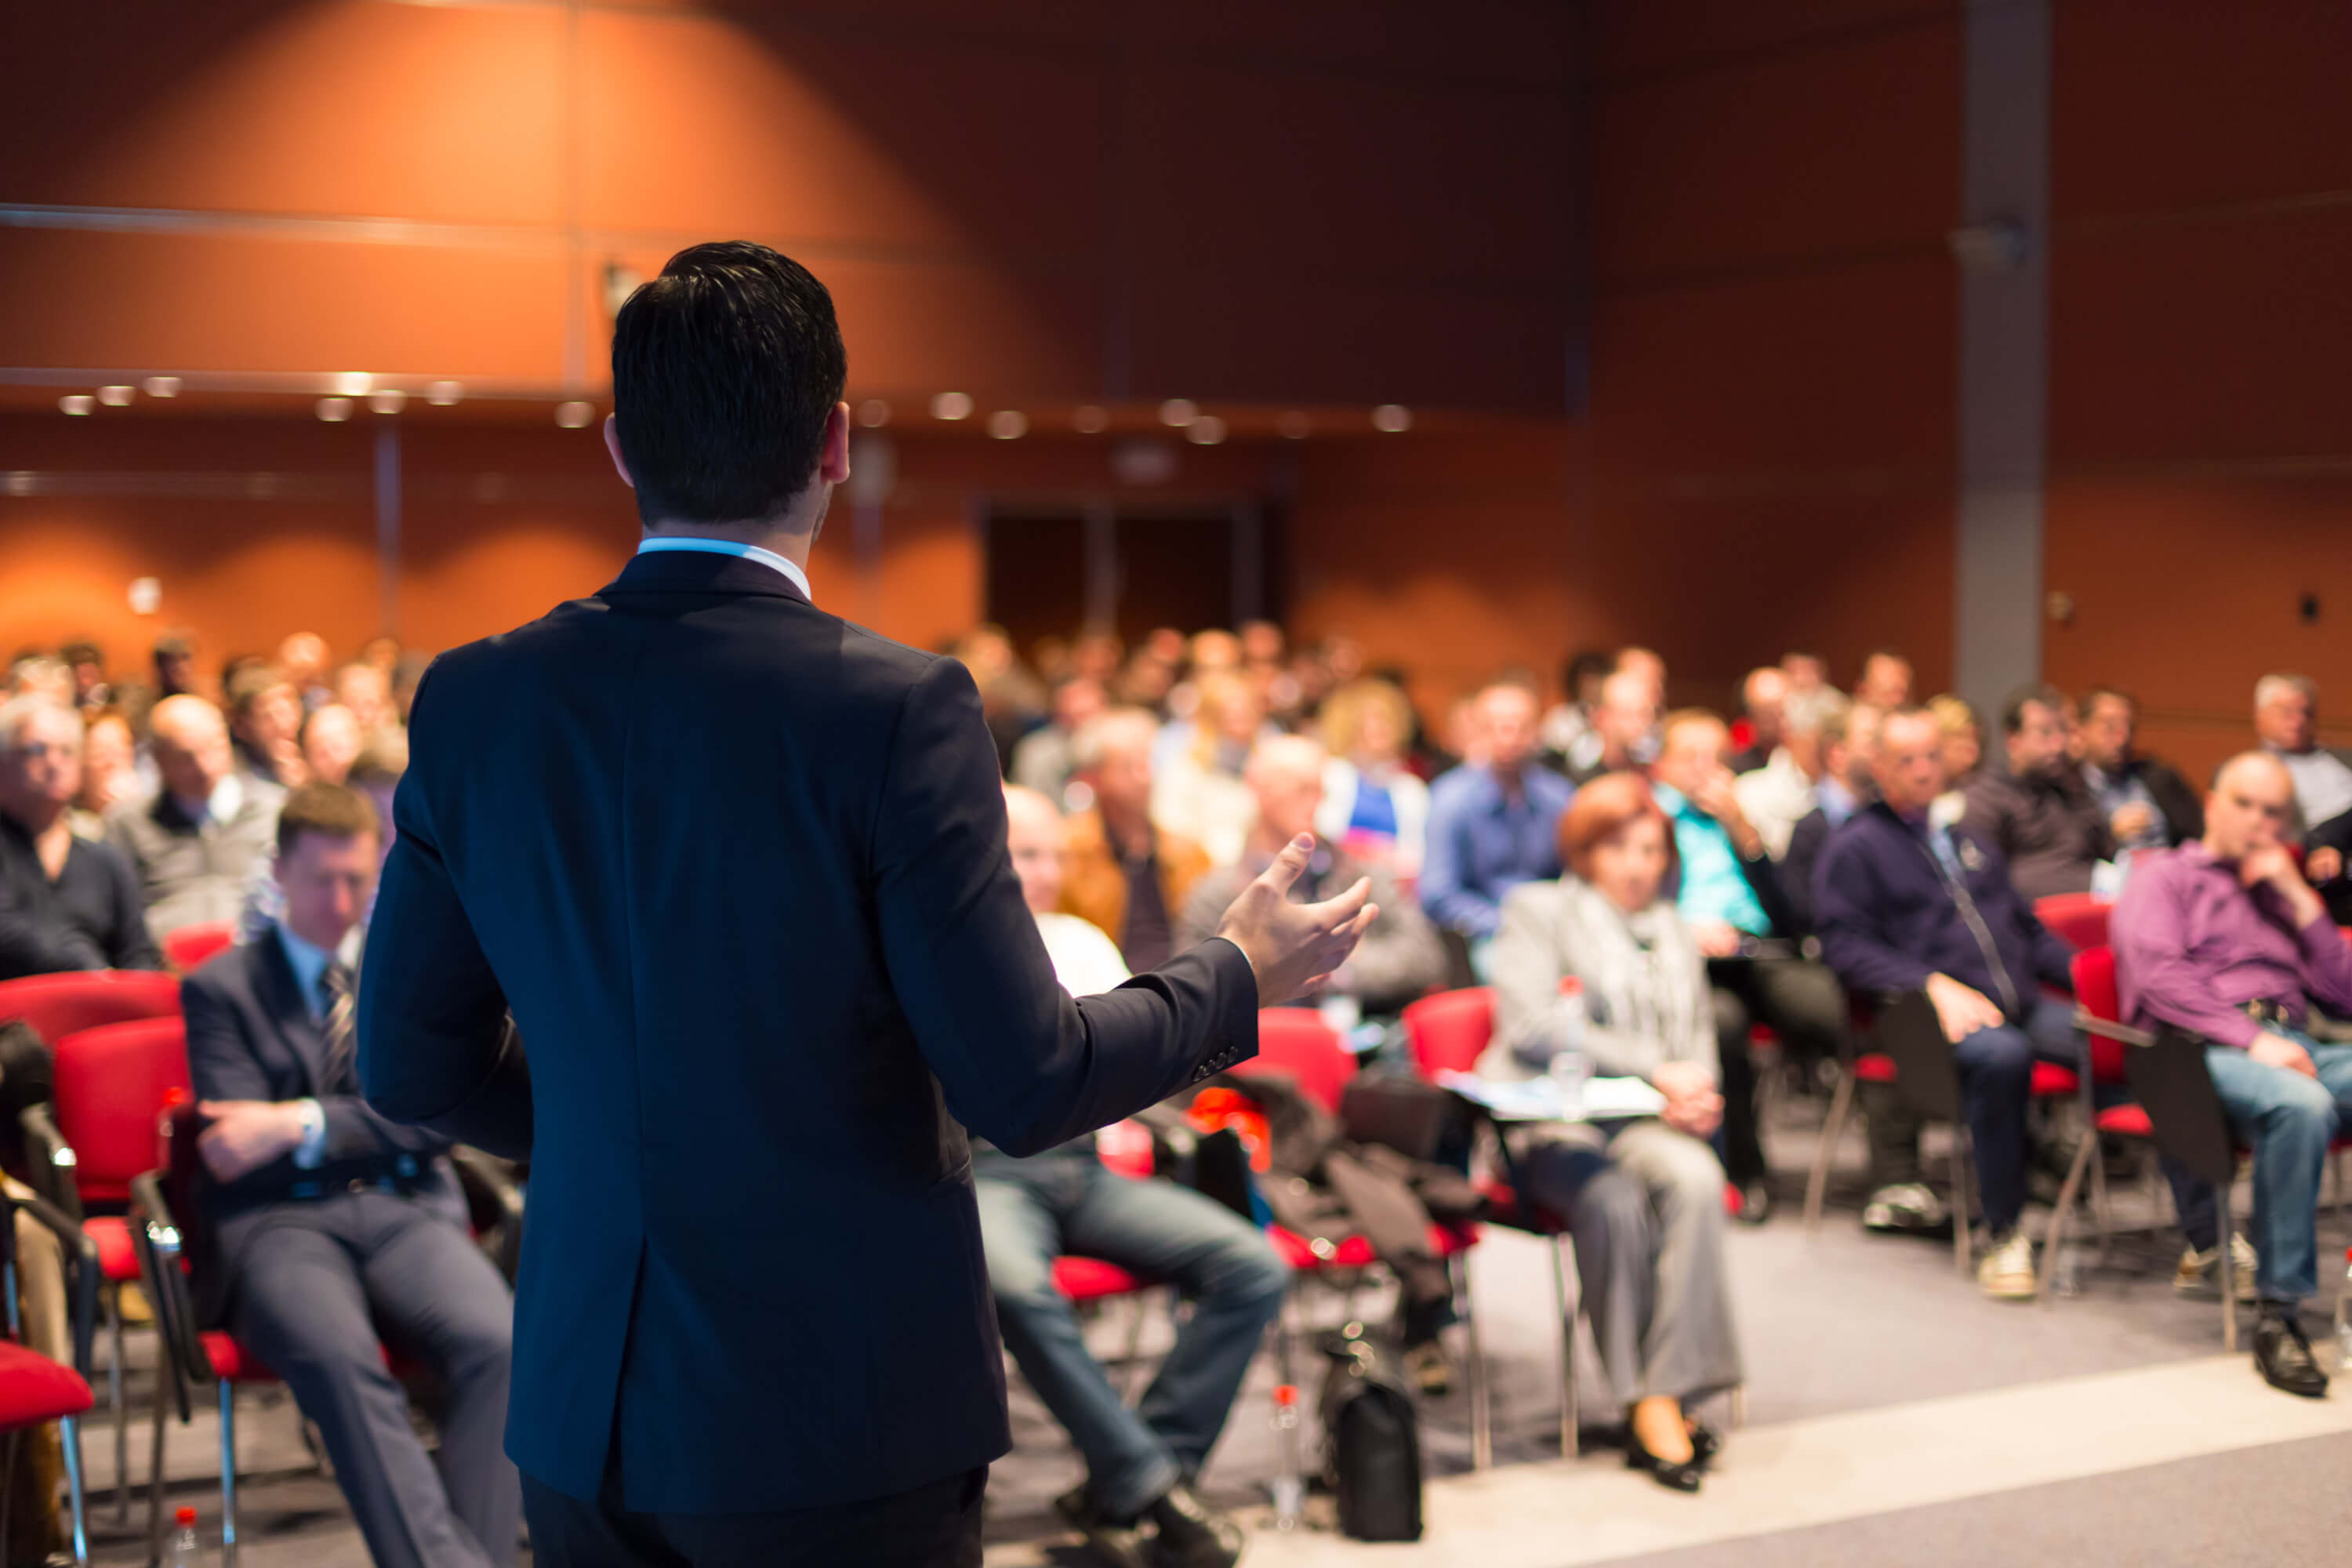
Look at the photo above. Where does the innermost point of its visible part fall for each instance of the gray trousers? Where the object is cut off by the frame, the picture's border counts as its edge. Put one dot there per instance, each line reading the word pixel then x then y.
pixel 316 1283
pixel 1644 1204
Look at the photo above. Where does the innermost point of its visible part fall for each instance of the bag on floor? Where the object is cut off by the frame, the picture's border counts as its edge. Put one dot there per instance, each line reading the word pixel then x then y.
pixel 1372 1443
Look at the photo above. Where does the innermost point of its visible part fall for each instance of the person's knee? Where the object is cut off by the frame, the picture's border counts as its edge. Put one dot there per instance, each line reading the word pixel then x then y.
pixel 1998 1055
pixel 1688 1172
pixel 2301 1109
pixel 1252 1271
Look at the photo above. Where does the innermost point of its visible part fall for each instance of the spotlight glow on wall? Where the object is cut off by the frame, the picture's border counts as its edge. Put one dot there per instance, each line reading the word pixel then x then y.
pixel 116 396
pixel 391 400
pixel 1393 417
pixel 1205 431
pixel 874 414
pixel 1090 421
pixel 77 403
pixel 572 415
pixel 1294 425
pixel 334 410
pixel 1008 424
pixel 442 393
pixel 162 386
pixel 952 405
pixel 352 383
pixel 1178 411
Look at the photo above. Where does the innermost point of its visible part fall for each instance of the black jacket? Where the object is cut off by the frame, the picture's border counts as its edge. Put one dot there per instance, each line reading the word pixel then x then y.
pixel 738 870
pixel 90 918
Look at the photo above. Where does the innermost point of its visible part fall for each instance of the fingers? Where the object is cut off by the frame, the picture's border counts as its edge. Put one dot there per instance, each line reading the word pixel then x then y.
pixel 1333 913
pixel 1289 865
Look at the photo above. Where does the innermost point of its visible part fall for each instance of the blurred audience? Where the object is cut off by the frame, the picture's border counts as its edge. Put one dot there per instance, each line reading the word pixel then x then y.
pixel 302 657
pixel 1125 875
pixel 175 664
pixel 1886 680
pixel 1962 753
pixel 64 902
pixel 196 845
pixel 1849 751
pixel 330 739
pixel 1644 1196
pixel 2041 815
pixel 265 722
pixel 1762 697
pixel 2149 805
pixel 1621 729
pixel 1198 793
pixel 366 691
pixel 1492 822
pixel 1042 761
pixel 1371 806
pixel 1806 671
pixel 1568 741
pixel 1778 793
pixel 110 771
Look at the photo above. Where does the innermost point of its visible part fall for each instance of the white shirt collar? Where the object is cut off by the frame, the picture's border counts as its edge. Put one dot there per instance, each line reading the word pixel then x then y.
pixel 223 805
pixel 768 558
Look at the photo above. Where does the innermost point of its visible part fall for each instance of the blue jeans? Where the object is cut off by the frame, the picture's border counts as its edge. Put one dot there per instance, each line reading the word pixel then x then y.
pixel 1065 1200
pixel 2290 1120
pixel 1996 1076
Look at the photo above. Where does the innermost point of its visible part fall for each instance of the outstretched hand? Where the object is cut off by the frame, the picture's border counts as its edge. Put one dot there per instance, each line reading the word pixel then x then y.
pixel 1291 947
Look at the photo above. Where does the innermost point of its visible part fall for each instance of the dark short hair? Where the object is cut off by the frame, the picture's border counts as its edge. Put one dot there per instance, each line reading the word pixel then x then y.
pixel 331 811
pixel 2012 707
pixel 1590 661
pixel 724 369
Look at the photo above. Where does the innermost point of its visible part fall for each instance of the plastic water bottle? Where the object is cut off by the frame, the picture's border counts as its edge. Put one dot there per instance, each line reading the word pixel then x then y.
pixel 1570 1068
pixel 183 1550
pixel 2066 1271
pixel 2344 1316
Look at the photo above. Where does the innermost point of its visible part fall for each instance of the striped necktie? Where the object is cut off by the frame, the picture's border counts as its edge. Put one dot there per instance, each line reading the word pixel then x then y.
pixel 339 996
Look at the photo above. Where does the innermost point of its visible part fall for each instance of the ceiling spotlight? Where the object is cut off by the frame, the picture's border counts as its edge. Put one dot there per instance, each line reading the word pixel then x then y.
pixel 162 386
pixel 1294 425
pixel 874 414
pixel 1178 411
pixel 77 403
pixel 391 400
pixel 351 383
pixel 1393 417
pixel 572 415
pixel 20 483
pixel 1205 431
pixel 442 393
pixel 115 396
pixel 1089 421
pixel 1008 424
pixel 952 405
pixel 334 410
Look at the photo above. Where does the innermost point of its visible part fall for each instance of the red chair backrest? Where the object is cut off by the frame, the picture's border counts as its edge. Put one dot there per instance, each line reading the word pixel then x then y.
pixel 2080 918
pixel 188 947
pixel 111 1085
pixel 2094 970
pixel 1450 1031
pixel 61 1004
pixel 1297 1041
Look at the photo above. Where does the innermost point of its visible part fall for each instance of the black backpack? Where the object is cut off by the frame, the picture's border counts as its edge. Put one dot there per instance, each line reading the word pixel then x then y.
pixel 1373 1442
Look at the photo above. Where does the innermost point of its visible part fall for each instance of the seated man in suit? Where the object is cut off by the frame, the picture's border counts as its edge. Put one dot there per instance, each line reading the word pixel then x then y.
pixel 2223 938
pixel 1139 1462
pixel 335 1223
pixel 64 902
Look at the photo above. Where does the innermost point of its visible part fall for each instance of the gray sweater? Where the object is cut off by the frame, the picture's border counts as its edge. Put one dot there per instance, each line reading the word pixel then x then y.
pixel 1645 984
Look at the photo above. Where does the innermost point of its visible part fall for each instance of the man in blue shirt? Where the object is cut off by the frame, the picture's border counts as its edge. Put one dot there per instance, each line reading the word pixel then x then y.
pixel 1492 822
pixel 1730 897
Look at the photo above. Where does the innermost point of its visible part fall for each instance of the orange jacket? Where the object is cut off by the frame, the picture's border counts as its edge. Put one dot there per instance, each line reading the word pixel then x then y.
pixel 1095 888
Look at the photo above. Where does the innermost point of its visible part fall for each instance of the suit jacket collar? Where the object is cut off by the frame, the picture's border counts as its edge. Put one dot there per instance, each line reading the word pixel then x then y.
pixel 698 572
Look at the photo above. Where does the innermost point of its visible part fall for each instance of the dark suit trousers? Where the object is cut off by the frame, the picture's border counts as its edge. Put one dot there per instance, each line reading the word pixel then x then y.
pixel 315 1285
pixel 935 1526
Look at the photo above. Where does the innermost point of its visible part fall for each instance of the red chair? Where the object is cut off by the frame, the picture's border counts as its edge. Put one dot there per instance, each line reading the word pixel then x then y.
pixel 2080 918
pixel 112 1083
pixel 188 947
pixel 34 1390
pixel 60 1005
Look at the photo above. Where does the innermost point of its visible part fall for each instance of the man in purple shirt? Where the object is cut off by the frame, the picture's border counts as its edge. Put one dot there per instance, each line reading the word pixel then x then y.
pixel 2223 937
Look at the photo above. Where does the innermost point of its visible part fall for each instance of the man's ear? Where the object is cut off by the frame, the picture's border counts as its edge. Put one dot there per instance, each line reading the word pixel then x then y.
pixel 833 464
pixel 612 446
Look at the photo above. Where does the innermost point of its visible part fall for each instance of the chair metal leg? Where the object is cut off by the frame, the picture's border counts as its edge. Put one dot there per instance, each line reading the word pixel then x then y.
pixel 2102 1213
pixel 1963 1227
pixel 2227 1269
pixel 1739 1405
pixel 121 1413
pixel 1482 1410
pixel 1290 1485
pixel 1832 1129
pixel 69 1438
pixel 2084 1154
pixel 1570 1296
pixel 228 1473
pixel 163 1374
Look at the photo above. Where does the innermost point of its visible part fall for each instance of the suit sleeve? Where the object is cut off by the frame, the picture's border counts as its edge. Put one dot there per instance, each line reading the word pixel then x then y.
pixel 221 1060
pixel 1019 1063
pixel 440 1054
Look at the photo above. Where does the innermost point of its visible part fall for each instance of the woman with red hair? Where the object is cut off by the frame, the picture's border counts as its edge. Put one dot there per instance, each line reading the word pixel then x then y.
pixel 1643 1195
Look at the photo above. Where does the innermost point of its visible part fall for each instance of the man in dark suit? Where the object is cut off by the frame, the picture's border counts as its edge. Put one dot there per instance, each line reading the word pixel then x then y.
pixel 737 870
pixel 335 1225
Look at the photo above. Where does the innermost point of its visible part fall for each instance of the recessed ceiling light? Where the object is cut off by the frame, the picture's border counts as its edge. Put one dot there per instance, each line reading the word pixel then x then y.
pixel 572 415
pixel 1008 424
pixel 952 405
pixel 874 414
pixel 391 400
pixel 1294 425
pixel 351 383
pixel 442 393
pixel 1205 431
pixel 162 386
pixel 1393 417
pixel 1178 411
pixel 334 410
pixel 77 403
pixel 1089 421
pixel 116 396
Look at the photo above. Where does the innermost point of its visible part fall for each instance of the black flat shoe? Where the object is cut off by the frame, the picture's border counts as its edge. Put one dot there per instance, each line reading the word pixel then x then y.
pixel 1682 1477
pixel 1705 1443
pixel 2283 1355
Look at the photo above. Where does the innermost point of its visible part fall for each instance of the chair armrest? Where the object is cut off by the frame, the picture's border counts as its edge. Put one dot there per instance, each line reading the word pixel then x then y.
pixel 155 1238
pixel 49 1160
pixel 2112 1031
pixel 81 1255
pixel 491 1191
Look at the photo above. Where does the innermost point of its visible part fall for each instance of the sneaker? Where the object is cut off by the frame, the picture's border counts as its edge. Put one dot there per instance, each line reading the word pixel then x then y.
pixel 2195 1277
pixel 1431 1373
pixel 2007 1272
pixel 1906 1209
pixel 2283 1353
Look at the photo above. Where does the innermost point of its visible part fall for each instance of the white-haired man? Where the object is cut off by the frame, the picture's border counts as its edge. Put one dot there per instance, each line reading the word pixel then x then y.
pixel 64 902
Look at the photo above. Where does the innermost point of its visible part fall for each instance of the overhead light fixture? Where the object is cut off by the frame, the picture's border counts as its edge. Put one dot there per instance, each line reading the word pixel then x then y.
pixel 952 405
pixel 351 383
pixel 1294 425
pixel 1393 417
pixel 77 403
pixel 1205 431
pixel 1008 424
pixel 1178 411
pixel 572 415
pixel 391 400
pixel 162 386
pixel 442 393
pixel 874 414
pixel 1089 421
pixel 116 396
pixel 334 410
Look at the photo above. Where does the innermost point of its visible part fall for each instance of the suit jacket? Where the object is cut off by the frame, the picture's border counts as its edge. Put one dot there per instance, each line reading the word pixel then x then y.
pixel 2048 828
pixel 251 1037
pixel 1094 888
pixel 737 868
